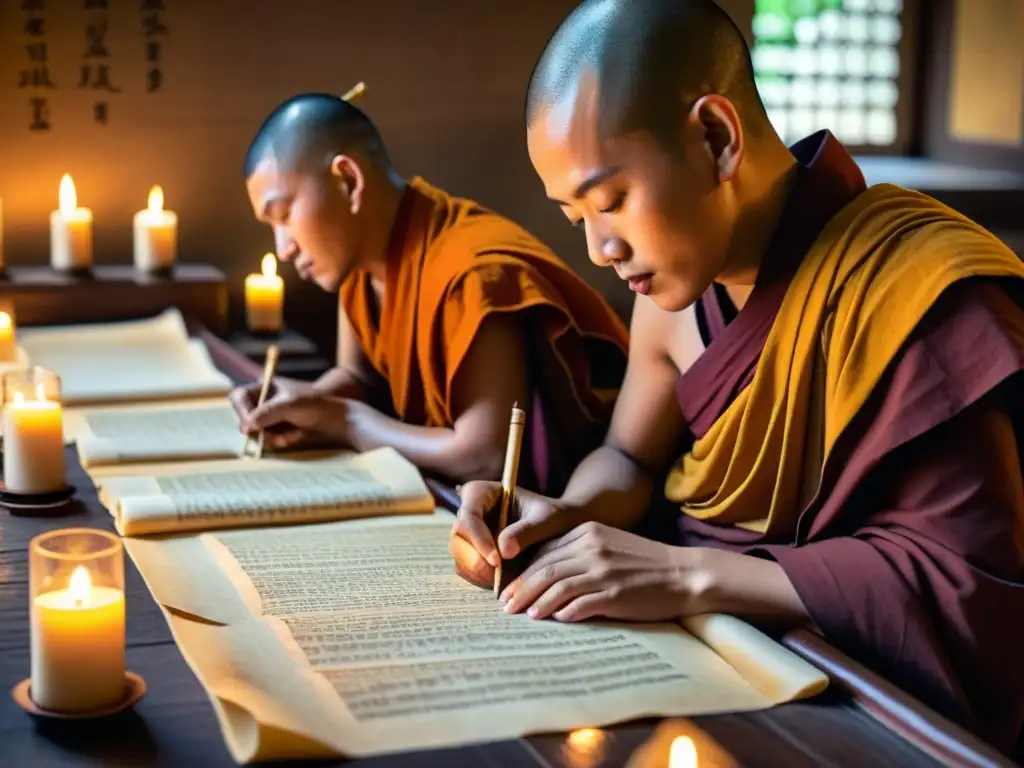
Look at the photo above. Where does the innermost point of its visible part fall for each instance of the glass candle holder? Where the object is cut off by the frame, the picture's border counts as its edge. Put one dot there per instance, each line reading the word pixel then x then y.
pixel 33 430
pixel 76 583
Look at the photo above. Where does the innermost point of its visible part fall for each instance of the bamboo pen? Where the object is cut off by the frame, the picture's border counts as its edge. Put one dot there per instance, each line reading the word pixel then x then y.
pixel 355 92
pixel 269 371
pixel 508 478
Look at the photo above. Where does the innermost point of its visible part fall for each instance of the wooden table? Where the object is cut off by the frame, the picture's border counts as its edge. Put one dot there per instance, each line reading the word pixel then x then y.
pixel 174 724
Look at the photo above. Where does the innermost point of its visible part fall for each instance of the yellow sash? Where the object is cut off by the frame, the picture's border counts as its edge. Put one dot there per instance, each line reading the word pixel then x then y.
pixel 870 277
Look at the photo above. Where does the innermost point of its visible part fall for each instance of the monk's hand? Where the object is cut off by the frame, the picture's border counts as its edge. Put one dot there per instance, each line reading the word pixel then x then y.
pixel 599 571
pixel 245 398
pixel 472 544
pixel 292 418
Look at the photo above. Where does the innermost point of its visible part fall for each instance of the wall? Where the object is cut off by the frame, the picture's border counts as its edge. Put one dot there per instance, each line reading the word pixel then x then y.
pixel 973 67
pixel 445 85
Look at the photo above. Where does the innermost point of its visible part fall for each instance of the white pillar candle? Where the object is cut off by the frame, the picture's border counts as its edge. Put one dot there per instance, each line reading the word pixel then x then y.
pixel 264 298
pixel 8 351
pixel 156 235
pixel 33 433
pixel 70 231
pixel 77 645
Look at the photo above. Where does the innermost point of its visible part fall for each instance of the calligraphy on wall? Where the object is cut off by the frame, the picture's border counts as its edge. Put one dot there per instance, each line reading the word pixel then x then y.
pixel 97 71
pixel 96 65
pixel 155 30
pixel 35 76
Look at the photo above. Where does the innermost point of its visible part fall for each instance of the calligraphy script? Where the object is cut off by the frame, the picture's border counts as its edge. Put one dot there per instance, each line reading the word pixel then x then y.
pixel 357 638
pixel 97 71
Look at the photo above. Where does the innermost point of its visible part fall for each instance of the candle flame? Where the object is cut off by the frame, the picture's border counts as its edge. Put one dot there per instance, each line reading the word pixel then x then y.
pixel 67 195
pixel 18 397
pixel 80 586
pixel 682 753
pixel 269 265
pixel 156 199
pixel 41 392
pixel 584 748
pixel 5 320
pixel 585 739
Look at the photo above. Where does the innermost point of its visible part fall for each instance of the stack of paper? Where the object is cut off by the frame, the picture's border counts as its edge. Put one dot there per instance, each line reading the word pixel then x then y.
pixel 138 360
pixel 111 436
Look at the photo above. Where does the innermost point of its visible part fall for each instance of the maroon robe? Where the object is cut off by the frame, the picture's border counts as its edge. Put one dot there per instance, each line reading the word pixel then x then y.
pixel 910 556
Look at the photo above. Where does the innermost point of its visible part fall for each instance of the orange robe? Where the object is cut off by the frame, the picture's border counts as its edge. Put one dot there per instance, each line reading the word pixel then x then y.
pixel 453 263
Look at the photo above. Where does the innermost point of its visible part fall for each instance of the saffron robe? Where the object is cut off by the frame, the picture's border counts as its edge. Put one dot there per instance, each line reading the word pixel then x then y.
pixel 890 487
pixel 451 265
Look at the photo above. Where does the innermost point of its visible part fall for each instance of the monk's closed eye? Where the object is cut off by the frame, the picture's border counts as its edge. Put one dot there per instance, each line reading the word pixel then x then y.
pixel 280 212
pixel 615 206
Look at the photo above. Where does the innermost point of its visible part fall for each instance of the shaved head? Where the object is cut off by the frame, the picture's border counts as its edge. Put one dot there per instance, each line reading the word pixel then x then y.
pixel 646 129
pixel 648 60
pixel 306 132
pixel 318 174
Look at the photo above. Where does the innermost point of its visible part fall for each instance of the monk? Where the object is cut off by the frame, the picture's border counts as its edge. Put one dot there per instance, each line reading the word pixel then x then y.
pixel 449 313
pixel 821 410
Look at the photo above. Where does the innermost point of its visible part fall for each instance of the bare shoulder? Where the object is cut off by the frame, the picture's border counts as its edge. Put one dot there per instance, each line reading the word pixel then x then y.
pixel 673 336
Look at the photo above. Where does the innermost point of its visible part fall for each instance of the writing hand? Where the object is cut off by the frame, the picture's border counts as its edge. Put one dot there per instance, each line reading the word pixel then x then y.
pixel 532 519
pixel 595 570
pixel 289 418
pixel 244 398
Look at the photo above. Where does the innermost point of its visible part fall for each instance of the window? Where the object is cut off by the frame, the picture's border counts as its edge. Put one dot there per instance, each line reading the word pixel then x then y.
pixel 832 64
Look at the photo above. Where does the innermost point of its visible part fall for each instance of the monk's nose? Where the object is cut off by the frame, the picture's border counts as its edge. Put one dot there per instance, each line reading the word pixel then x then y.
pixel 609 251
pixel 285 245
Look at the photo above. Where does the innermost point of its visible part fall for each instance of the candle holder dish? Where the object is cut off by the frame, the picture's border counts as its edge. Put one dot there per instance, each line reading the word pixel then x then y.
pixel 265 336
pixel 79 273
pixel 35 501
pixel 134 690
pixel 157 273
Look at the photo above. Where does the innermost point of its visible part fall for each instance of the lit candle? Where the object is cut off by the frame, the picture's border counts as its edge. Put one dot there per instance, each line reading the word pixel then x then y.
pixel 2 263
pixel 33 430
pixel 8 351
pixel 681 744
pixel 156 235
pixel 682 753
pixel 264 298
pixel 584 748
pixel 70 231
pixel 77 620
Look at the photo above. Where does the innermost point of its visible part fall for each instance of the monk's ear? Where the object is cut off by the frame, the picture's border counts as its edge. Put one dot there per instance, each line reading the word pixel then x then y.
pixel 722 130
pixel 349 176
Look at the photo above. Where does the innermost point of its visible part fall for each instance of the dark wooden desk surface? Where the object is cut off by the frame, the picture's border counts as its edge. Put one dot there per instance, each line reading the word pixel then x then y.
pixel 174 724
